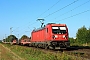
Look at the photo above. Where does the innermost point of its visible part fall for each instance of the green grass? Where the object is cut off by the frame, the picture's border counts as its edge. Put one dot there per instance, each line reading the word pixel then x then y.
pixel 79 44
pixel 35 54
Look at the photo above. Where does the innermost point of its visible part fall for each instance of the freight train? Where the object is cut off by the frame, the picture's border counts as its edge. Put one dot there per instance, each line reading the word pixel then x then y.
pixel 51 36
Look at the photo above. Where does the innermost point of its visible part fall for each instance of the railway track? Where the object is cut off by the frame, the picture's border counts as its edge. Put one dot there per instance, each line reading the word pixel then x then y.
pixel 76 51
pixel 82 52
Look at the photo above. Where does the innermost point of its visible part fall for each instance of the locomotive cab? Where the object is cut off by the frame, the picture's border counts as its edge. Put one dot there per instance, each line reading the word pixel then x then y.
pixel 58 36
pixel 59 31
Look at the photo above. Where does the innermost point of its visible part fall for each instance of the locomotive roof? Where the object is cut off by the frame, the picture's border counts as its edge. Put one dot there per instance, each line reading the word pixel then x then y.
pixel 38 29
pixel 52 24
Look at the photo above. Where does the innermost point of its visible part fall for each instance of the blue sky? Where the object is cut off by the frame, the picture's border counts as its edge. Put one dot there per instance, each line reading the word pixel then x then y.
pixel 21 15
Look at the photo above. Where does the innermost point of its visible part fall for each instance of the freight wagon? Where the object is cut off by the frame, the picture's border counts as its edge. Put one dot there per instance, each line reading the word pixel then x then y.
pixel 14 41
pixel 25 41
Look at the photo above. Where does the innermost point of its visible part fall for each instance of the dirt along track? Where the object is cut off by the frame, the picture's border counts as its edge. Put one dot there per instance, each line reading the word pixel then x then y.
pixel 7 54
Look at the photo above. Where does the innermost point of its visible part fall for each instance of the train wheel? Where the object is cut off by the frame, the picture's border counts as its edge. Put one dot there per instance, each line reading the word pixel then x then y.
pixel 11 43
pixel 37 46
pixel 46 47
pixel 53 47
pixel 43 46
pixel 30 45
pixel 22 44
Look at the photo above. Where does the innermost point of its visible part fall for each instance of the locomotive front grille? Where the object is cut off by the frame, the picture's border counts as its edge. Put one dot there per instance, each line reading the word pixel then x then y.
pixel 59 44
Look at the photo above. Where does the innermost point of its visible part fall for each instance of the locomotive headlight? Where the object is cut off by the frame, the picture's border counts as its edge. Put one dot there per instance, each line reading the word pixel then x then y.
pixel 63 36
pixel 56 36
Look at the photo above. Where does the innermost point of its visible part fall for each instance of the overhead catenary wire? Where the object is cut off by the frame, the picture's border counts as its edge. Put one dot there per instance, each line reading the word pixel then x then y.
pixel 73 9
pixel 55 11
pixel 42 13
pixel 61 8
pixel 24 28
pixel 50 8
pixel 73 15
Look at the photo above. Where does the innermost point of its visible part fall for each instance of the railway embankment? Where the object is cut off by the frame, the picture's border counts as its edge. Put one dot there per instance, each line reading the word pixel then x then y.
pixel 31 53
pixel 7 54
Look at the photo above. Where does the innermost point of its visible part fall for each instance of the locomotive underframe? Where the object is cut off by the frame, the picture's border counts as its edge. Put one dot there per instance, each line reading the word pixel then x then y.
pixel 61 44
pixel 51 44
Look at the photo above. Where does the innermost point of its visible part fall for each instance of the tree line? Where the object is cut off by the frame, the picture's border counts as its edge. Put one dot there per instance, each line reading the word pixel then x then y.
pixel 82 36
pixel 12 37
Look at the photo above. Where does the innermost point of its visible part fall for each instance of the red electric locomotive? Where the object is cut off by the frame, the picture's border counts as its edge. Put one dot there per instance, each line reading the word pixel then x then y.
pixel 50 36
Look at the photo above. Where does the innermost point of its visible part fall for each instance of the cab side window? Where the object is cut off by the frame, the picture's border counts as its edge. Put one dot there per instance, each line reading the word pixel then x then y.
pixel 47 30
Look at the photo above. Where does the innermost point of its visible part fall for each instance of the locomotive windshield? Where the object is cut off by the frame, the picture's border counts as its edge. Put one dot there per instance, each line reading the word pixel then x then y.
pixel 58 30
